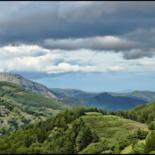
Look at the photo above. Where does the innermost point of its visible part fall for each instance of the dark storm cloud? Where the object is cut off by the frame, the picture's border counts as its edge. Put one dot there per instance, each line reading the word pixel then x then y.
pixel 39 22
pixel 139 53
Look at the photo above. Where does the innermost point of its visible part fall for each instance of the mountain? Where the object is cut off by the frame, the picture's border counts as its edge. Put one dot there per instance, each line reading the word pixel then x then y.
pixel 26 84
pixel 73 96
pixel 77 131
pixel 118 102
pixel 19 107
pixel 105 100
pixel 145 95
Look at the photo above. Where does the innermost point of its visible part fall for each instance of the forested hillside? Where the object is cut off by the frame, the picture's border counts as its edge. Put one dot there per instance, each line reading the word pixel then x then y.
pixel 81 131
pixel 31 123
pixel 144 113
pixel 19 107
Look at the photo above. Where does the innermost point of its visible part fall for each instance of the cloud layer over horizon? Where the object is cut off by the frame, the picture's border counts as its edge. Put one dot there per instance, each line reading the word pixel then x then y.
pixel 69 37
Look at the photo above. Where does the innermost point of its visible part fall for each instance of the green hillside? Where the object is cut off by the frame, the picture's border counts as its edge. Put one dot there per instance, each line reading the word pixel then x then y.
pixel 75 131
pixel 31 123
pixel 19 107
pixel 144 113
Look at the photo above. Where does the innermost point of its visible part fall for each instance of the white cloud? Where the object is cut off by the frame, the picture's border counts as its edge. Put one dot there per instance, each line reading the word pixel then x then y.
pixel 21 51
pixel 37 59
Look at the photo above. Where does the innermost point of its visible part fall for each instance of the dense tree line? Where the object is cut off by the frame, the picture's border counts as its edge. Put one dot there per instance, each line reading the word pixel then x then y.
pixel 65 133
pixel 143 114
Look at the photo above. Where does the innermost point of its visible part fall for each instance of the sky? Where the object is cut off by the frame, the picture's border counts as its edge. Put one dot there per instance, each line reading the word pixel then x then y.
pixel 93 46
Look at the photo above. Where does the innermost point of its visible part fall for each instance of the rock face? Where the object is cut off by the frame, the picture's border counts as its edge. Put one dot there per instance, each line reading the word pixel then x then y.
pixel 27 84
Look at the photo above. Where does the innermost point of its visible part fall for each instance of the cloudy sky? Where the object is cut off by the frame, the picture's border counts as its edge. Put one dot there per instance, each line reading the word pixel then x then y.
pixel 94 46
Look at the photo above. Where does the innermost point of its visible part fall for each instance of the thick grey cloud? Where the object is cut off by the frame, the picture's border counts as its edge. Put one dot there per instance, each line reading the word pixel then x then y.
pixel 138 53
pixel 39 20
pixel 94 43
pixel 54 24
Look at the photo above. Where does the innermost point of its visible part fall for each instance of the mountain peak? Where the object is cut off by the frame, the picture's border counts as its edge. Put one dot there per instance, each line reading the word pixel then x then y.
pixel 26 84
pixel 6 76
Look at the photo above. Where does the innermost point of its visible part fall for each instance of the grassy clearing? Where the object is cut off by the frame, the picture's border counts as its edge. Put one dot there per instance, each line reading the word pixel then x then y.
pixel 109 126
pixel 112 129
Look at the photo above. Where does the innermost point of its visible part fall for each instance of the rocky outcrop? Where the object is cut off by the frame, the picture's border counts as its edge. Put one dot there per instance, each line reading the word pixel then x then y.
pixel 27 84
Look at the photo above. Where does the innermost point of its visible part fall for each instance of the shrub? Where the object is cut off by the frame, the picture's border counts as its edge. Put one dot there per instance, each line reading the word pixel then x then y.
pixel 152 125
pixel 150 142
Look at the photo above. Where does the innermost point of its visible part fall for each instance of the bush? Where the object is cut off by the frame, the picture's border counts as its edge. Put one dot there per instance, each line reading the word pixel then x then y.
pixel 140 134
pixel 150 142
pixel 139 148
pixel 152 125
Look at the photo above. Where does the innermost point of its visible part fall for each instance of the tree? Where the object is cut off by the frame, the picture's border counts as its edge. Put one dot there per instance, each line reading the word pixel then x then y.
pixel 140 134
pixel 152 125
pixel 84 137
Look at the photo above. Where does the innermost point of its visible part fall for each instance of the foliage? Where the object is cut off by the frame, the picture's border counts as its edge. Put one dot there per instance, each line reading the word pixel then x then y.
pixel 19 107
pixel 140 134
pixel 139 147
pixel 150 142
pixel 144 113
pixel 64 133
pixel 152 125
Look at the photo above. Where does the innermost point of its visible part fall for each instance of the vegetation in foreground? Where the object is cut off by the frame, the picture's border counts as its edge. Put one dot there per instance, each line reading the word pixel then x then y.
pixel 82 131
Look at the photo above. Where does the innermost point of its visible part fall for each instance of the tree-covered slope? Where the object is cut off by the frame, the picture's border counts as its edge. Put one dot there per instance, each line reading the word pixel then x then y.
pixel 144 113
pixel 75 131
pixel 19 107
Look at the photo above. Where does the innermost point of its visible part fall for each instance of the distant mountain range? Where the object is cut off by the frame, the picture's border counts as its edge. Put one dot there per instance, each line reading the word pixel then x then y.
pixel 105 100
pixel 73 97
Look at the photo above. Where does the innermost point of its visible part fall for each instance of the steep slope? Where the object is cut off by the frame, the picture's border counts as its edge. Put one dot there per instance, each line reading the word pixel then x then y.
pixel 27 84
pixel 108 101
pixel 85 131
pixel 19 107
